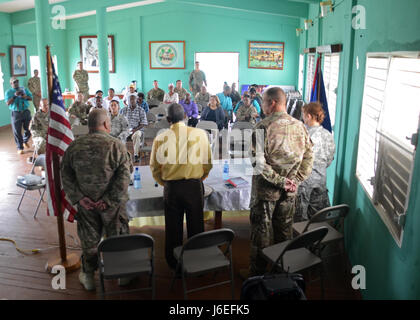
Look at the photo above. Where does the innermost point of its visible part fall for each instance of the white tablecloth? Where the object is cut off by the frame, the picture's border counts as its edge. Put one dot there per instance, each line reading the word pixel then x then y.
pixel 148 201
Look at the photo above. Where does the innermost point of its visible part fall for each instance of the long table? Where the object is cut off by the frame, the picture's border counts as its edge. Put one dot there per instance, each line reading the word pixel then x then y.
pixel 148 201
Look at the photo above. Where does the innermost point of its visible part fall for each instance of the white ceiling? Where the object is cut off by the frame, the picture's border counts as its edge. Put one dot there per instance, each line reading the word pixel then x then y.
pixel 10 6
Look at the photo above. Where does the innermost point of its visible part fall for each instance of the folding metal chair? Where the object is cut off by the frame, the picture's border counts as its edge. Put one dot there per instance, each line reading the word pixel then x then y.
pixel 126 256
pixel 294 255
pixel 201 254
pixel 22 183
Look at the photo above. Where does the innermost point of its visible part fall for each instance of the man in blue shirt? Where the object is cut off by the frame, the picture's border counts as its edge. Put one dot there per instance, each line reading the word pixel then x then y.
pixel 17 98
pixel 141 102
pixel 226 103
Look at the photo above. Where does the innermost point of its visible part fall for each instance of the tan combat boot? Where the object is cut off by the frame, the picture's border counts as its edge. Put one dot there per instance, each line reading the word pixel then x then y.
pixel 87 280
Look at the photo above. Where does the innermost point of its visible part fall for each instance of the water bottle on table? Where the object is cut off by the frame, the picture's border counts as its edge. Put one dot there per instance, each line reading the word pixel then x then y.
pixel 137 179
pixel 226 171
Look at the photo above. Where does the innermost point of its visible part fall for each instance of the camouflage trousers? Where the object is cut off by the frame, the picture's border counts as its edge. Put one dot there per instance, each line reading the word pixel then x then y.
pixel 39 144
pixel 271 223
pixel 309 202
pixel 93 225
pixel 36 101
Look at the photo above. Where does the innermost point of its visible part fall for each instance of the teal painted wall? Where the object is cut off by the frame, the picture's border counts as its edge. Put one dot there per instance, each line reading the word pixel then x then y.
pixel 5 41
pixel 203 29
pixel 25 34
pixel 392 272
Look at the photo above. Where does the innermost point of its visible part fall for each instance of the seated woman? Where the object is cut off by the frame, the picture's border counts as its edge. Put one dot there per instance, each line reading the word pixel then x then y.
pixel 213 112
pixel 171 96
pixel 313 193
pixel 247 112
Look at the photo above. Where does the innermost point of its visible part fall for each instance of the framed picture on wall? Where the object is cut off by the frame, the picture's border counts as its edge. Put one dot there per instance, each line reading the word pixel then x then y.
pixel 167 54
pixel 18 63
pixel 266 55
pixel 89 53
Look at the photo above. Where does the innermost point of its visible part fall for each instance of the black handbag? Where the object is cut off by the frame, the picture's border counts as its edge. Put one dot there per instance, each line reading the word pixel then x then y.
pixel 284 286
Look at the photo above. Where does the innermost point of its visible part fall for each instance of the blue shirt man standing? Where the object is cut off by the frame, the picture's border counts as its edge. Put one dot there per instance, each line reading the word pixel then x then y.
pixel 17 98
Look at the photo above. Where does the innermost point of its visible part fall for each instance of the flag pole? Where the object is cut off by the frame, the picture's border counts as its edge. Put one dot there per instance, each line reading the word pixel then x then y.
pixel 70 262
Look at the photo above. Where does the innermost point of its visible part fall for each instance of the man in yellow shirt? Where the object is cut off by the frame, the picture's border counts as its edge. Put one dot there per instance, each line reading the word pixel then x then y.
pixel 181 159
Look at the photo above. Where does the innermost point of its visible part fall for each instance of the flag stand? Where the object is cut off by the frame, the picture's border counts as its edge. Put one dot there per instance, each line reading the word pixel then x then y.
pixel 70 262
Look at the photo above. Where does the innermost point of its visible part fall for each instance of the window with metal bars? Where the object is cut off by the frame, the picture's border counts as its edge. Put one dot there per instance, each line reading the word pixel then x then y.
pixel 331 73
pixel 310 73
pixel 388 134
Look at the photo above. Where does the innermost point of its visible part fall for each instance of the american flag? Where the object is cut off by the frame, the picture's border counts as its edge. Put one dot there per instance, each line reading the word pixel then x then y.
pixel 59 138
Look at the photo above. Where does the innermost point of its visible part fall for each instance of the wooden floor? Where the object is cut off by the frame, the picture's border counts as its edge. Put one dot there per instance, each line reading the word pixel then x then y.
pixel 24 276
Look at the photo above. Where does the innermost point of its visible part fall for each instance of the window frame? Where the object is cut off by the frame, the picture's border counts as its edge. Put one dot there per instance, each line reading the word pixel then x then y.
pixel 333 121
pixel 308 89
pixel 390 223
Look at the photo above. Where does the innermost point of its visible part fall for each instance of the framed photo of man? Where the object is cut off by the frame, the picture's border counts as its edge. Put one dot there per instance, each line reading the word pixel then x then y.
pixel 266 55
pixel 18 65
pixel 89 53
pixel 167 54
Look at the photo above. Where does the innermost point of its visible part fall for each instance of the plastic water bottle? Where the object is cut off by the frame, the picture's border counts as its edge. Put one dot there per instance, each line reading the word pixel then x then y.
pixel 226 171
pixel 137 179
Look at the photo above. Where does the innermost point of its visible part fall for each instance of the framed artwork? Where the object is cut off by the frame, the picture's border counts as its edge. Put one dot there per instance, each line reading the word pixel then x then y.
pixel 89 53
pixel 167 54
pixel 266 55
pixel 18 65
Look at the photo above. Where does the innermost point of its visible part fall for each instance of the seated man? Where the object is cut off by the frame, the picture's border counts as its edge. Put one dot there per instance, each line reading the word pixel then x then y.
pixel 155 96
pixel 131 90
pixel 247 112
pixel 136 118
pixel 93 102
pixel 99 104
pixel 226 103
pixel 202 98
pixel 190 109
pixel 253 102
pixel 119 124
pixel 78 111
pixel 141 102
pixel 39 127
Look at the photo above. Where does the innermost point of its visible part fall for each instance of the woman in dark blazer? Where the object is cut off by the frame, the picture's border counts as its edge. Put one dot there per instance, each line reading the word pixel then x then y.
pixel 213 112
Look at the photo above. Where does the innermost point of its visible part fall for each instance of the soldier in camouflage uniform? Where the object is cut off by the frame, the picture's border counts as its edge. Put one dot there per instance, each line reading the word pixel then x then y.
pixel 182 93
pixel 202 98
pixel 81 78
pixel 78 111
pixel 155 96
pixel 282 151
pixel 119 124
pixel 34 86
pixel 95 174
pixel 313 193
pixel 247 112
pixel 39 127
pixel 197 78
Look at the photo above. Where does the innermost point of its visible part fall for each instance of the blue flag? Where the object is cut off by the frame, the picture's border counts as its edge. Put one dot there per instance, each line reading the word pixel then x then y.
pixel 318 95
